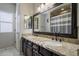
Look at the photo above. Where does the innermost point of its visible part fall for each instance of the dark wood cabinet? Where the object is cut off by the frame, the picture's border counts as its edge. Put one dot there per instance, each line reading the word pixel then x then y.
pixel 31 49
pixel 26 47
pixel 46 52
pixel 36 50
pixel 23 40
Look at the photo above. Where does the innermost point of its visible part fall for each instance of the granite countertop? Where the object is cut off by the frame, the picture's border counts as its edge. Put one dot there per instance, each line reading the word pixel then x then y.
pixel 63 48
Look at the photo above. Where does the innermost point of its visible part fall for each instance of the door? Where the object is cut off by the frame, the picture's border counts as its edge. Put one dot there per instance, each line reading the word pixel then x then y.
pixel 7 24
pixel 28 50
pixel 18 25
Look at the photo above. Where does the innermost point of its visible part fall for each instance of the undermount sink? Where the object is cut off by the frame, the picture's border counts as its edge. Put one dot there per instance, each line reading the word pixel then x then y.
pixel 53 43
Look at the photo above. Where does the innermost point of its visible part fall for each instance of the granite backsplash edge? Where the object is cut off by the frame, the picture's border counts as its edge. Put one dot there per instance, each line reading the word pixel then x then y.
pixel 70 40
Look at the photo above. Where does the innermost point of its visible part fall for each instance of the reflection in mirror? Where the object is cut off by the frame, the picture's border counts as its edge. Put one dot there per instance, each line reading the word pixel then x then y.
pixel 36 23
pixel 27 22
pixel 60 21
pixel 42 22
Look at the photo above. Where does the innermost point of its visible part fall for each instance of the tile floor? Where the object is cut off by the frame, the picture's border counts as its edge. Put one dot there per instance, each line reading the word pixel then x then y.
pixel 9 51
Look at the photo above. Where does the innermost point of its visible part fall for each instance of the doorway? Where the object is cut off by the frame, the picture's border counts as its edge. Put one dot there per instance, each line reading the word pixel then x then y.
pixel 7 24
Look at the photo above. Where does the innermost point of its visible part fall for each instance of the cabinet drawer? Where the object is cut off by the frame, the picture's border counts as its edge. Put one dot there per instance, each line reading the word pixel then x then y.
pixel 35 47
pixel 29 43
pixel 28 50
pixel 45 52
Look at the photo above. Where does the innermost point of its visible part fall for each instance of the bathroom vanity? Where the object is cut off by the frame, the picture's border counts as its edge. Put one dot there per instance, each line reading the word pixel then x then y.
pixel 30 48
pixel 41 46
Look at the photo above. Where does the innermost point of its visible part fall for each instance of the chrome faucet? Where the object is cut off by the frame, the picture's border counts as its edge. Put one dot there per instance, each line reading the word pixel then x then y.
pixel 56 35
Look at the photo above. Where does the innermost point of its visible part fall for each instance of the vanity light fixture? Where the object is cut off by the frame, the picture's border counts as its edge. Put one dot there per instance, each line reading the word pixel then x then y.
pixel 42 5
pixel 64 12
pixel 26 17
pixel 38 9
pixel 62 9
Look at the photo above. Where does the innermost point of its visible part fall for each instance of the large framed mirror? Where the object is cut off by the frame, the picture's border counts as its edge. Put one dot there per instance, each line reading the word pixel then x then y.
pixel 60 20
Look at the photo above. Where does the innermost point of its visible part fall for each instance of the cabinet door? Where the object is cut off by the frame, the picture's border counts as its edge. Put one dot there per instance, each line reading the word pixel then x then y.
pixel 23 40
pixel 28 50
pixel 46 52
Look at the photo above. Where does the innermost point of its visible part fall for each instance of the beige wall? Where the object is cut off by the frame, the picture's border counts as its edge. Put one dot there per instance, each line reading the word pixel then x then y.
pixel 36 5
pixel 26 9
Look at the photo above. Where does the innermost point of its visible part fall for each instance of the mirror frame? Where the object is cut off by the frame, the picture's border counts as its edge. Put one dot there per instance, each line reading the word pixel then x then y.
pixel 74 25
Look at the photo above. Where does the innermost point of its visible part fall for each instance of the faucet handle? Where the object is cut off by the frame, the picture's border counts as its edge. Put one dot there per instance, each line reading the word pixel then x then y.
pixel 60 40
pixel 56 39
pixel 52 38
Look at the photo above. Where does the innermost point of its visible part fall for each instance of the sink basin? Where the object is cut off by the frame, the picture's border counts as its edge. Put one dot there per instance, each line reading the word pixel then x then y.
pixel 53 43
